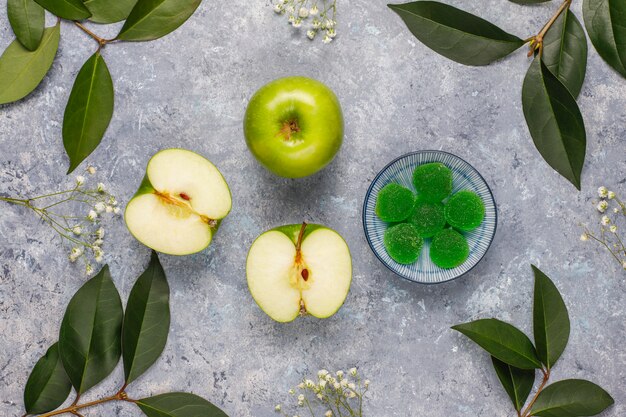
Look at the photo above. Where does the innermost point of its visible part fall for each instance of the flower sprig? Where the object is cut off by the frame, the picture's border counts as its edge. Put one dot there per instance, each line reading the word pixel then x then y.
pixel 323 15
pixel 338 394
pixel 613 211
pixel 84 233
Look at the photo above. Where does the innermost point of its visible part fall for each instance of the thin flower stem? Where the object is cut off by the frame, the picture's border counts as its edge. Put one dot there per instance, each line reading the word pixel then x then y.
pixel 603 243
pixel 308 404
pixel 54 194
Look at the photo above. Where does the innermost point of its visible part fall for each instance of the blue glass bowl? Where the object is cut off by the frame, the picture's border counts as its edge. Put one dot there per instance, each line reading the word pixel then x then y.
pixel 465 177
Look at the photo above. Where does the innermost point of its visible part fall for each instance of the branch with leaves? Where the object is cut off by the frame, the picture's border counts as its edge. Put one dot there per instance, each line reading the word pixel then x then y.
pixel 95 333
pixel 89 109
pixel 515 358
pixel 555 76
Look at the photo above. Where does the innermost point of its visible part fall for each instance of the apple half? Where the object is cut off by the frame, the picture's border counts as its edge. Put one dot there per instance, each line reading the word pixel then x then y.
pixel 298 269
pixel 180 203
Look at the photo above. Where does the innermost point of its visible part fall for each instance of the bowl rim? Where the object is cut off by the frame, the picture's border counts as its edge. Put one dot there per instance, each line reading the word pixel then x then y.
pixel 369 192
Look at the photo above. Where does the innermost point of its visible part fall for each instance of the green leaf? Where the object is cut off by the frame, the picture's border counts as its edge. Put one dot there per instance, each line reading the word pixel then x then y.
pixel 456 34
pixel 516 382
pixel 88 111
pixel 90 336
pixel 48 385
pixel 550 320
pixel 529 1
pixel 107 11
pixel 571 398
pixel 554 121
pixel 66 9
pixel 27 20
pixel 605 21
pixel 152 19
pixel 147 320
pixel 565 51
pixel 503 341
pixel 178 404
pixel 22 70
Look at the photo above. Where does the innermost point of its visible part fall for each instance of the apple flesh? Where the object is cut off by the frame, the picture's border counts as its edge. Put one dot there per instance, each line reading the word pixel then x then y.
pixel 298 269
pixel 180 203
pixel 294 126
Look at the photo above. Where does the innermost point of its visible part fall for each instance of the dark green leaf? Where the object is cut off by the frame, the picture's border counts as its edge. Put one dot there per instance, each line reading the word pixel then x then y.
pixel 456 34
pixel 529 1
pixel 605 21
pixel 554 121
pixel 48 385
pixel 90 336
pixel 22 70
pixel 152 19
pixel 147 320
pixel 571 398
pixel 516 382
pixel 565 51
pixel 178 404
pixel 503 341
pixel 88 111
pixel 550 320
pixel 107 11
pixel 66 9
pixel 27 20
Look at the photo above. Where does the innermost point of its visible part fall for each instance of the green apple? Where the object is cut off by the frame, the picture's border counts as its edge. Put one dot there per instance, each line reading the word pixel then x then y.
pixel 180 203
pixel 294 126
pixel 298 269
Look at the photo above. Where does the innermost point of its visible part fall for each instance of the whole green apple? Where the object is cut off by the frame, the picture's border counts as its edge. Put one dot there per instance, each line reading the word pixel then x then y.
pixel 294 126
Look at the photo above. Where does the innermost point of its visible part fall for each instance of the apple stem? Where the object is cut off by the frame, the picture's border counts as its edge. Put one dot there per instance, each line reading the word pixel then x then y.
pixel 300 236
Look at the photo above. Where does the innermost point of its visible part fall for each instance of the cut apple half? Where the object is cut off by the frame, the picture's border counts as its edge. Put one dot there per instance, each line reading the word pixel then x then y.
pixel 180 203
pixel 298 269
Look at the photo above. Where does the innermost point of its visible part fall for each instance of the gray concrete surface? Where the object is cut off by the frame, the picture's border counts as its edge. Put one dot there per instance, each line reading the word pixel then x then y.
pixel 190 90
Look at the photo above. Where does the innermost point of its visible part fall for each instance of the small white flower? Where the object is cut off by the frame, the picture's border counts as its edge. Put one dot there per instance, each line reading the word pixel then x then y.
pixel 624 264
pixel 352 394
pixel 277 408
pixel 611 195
pixel 91 170
pixel 76 252
pixel 615 210
pixel 100 233
pixel 101 187
pixel 603 192
pixel 316 24
pixel 602 206
pixel 309 384
pixel 605 220
pixel 80 180
pixel 320 397
pixel 314 10
pixel 311 34
pixel 92 215
pixel 331 33
pixel 109 209
pixel 366 383
pixel 613 229
pixel 100 206
pixel 291 391
pixel 300 403
pixel 98 242
pixel 301 397
pixel 77 230
pixel 329 24
pixel 322 383
pixel 112 201
pixel 291 19
pixel 337 385
pixel 328 414
pixel 88 269
pixel 344 383
pixel 322 373
pixel 352 386
pixel 301 385
pixel 339 374
pixel 327 39
pixel 297 23
pixel 303 13
pixel 117 211
pixel 278 9
pixel 291 9
pixel 584 237
pixel 353 371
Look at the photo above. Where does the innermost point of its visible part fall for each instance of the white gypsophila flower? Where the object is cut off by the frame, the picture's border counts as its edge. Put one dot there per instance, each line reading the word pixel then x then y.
pixel 88 269
pixel 336 385
pixel 301 385
pixel 91 169
pixel 92 215
pixel 316 24
pixel 303 13
pixel 300 403
pixel 309 384
pixel 117 211
pixel 602 206
pixel 77 230
pixel 352 394
pixel 322 383
pixel 352 371
pixel 624 264
pixel 366 383
pixel 327 39
pixel 291 9
pixel 112 201
pixel 328 414
pixel 331 32
pixel 616 210
pixel 291 19
pixel 344 383
pixel 297 23
pixel 100 233
pixel 101 187
pixel 320 397
pixel 352 386
pixel 311 34
pixel 80 180
pixel 322 373
pixel 109 209
pixel 613 229
pixel 314 10
pixel 100 207
pixel 584 237
pixel 98 242
pixel 605 220
pixel 611 195
pixel 329 24
pixel 339 374
pixel 278 9
pixel 603 192
pixel 77 251
pixel 278 407
pixel 291 391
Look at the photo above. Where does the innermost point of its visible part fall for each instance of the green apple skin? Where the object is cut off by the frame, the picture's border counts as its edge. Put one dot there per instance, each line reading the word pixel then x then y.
pixel 292 231
pixel 294 126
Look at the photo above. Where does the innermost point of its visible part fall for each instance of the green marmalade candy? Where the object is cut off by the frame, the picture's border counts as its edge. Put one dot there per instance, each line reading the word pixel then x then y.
pixel 465 210
pixel 428 218
pixel 394 203
pixel 403 243
pixel 449 249
pixel 433 182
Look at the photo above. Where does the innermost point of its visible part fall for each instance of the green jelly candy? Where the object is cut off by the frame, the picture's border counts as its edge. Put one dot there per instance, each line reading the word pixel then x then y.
pixel 394 203
pixel 403 243
pixel 428 218
pixel 465 210
pixel 449 249
pixel 432 181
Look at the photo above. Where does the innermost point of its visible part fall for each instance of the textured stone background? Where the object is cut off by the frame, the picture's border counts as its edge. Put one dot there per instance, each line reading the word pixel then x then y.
pixel 190 90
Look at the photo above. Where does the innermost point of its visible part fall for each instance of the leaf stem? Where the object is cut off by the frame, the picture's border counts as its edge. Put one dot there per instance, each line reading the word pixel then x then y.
pixel 101 41
pixel 546 377
pixel 536 42
pixel 73 409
